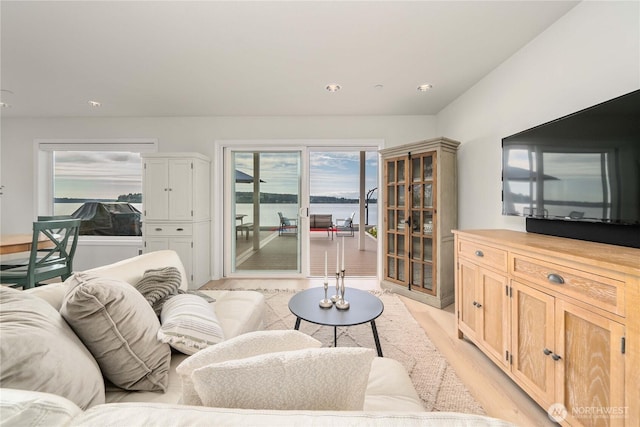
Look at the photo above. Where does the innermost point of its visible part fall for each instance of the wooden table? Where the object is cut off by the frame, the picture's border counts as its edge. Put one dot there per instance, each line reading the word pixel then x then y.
pixel 14 243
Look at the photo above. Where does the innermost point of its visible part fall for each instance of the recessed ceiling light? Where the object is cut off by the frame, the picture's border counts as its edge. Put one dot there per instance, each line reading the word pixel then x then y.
pixel 424 88
pixel 333 87
pixel 95 104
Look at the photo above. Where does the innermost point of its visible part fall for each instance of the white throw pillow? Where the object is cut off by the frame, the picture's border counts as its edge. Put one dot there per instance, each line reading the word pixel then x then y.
pixel 240 347
pixel 189 323
pixel 310 379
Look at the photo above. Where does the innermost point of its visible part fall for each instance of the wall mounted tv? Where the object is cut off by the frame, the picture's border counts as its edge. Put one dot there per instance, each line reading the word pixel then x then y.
pixel 580 172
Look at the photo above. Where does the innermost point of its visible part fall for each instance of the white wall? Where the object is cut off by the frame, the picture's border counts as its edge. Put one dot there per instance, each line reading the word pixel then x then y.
pixel 590 55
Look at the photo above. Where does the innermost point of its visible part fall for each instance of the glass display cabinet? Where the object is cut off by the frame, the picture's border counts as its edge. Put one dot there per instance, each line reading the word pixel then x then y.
pixel 420 210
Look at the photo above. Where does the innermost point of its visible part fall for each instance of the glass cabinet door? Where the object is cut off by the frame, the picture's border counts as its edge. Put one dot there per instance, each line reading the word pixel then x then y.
pixel 423 219
pixel 410 221
pixel 395 201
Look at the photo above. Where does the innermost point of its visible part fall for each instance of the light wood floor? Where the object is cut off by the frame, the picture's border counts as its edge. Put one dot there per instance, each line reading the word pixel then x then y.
pixel 497 393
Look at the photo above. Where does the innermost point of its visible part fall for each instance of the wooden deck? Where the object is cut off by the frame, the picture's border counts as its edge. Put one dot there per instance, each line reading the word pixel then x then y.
pixel 279 253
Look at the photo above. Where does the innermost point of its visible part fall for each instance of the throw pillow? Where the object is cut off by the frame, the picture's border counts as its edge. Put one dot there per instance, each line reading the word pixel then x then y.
pixel 242 346
pixel 39 351
pixel 311 379
pixel 119 327
pixel 189 323
pixel 159 284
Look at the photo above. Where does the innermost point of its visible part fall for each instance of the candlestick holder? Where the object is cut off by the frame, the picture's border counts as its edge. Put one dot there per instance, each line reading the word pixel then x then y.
pixel 326 302
pixel 341 303
pixel 336 297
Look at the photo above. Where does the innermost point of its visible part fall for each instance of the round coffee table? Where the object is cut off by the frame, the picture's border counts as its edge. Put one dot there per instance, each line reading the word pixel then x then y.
pixel 364 307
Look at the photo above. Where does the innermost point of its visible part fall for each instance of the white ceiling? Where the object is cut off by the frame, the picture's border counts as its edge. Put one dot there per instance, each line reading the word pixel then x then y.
pixel 211 58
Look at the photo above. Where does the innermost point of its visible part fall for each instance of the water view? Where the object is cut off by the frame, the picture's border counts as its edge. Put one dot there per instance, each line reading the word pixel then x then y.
pixel 269 212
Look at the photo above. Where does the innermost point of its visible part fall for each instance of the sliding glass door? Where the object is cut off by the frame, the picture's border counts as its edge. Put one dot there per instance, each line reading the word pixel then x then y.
pixel 266 200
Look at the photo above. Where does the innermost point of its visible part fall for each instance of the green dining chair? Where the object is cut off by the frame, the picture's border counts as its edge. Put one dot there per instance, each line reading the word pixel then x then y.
pixel 46 263
pixel 19 262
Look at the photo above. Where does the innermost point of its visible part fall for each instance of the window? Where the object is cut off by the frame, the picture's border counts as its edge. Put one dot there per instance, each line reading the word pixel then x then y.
pixel 98 182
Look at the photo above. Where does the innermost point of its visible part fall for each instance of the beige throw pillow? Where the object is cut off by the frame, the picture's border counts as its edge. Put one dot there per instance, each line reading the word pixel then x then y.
pixel 311 379
pixel 119 327
pixel 242 346
pixel 39 352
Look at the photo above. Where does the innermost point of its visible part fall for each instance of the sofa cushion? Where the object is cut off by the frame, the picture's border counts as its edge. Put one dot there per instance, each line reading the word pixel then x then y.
pixel 32 408
pixel 246 345
pixel 309 379
pixel 119 327
pixel 131 270
pixel 156 414
pixel 40 352
pixel 189 323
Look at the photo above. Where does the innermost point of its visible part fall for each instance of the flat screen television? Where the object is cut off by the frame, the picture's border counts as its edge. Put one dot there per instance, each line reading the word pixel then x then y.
pixel 580 171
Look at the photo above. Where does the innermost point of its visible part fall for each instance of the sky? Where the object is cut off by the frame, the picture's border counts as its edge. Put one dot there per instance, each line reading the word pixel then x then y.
pixel 96 175
pixel 331 173
pixel 106 175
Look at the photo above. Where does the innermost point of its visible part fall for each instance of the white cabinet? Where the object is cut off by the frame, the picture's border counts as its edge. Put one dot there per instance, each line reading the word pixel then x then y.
pixel 176 187
pixel 176 210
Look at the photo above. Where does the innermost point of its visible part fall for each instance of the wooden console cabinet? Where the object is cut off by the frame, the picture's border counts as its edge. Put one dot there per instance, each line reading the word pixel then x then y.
pixel 561 317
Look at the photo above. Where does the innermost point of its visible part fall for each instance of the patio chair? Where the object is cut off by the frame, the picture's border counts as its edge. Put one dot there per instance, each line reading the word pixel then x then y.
pixel 344 227
pixel 46 263
pixel 287 225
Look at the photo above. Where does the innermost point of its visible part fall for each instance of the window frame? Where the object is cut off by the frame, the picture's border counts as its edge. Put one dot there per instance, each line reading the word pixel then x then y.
pixel 43 159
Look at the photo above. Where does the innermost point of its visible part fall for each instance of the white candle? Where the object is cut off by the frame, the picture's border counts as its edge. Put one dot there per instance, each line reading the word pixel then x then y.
pixel 343 254
pixel 337 257
pixel 325 267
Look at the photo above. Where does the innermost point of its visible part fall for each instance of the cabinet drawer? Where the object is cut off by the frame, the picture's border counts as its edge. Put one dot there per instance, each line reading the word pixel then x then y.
pixel 167 229
pixel 483 255
pixel 603 292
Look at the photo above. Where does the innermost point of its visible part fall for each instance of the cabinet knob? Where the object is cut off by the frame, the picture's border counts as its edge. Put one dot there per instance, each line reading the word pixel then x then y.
pixel 555 278
pixel 479 253
pixel 475 304
pixel 555 357
pixel 180 229
pixel 547 352
pixel 158 229
pixel 166 189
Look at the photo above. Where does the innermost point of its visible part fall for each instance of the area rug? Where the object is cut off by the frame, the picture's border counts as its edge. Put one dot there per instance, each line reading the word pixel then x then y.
pixel 401 339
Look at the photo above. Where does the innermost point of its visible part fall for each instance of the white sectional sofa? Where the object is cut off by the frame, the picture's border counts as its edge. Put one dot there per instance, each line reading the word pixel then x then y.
pixel 390 397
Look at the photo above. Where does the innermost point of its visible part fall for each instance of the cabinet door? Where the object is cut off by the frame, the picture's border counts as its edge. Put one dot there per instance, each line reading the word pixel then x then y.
pixel 468 314
pixel 590 373
pixel 180 189
pixel 184 248
pixel 493 306
pixel 532 342
pixel 152 244
pixel 156 189
pixel 422 229
pixel 396 267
